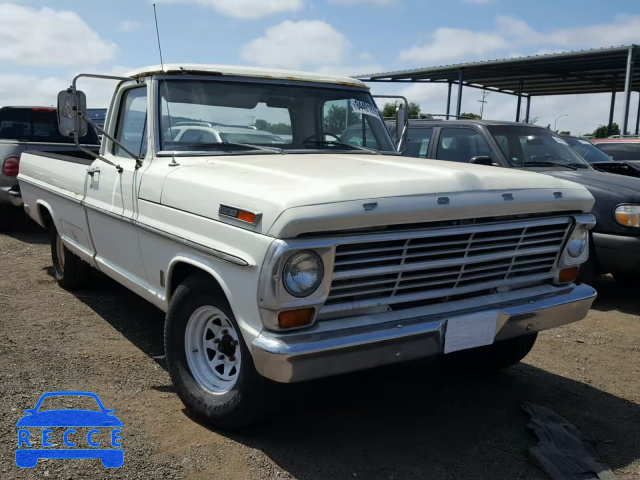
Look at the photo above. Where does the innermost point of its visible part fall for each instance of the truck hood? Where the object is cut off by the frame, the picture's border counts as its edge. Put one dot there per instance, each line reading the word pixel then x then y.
pixel 274 184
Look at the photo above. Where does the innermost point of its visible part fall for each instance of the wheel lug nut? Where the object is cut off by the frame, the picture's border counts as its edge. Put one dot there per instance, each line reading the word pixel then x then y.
pixel 220 357
pixel 224 332
pixel 216 340
pixel 232 359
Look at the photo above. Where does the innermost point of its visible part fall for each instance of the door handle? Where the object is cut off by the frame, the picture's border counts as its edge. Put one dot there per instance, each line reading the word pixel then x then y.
pixel 93 170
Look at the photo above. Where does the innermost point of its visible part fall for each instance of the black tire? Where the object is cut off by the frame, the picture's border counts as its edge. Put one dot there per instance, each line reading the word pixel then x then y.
pixel 7 217
pixel 72 272
pixel 248 399
pixel 495 357
pixel 589 270
pixel 627 278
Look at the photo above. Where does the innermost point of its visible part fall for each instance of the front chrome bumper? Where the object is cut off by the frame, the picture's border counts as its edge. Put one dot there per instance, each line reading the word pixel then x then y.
pixel 306 355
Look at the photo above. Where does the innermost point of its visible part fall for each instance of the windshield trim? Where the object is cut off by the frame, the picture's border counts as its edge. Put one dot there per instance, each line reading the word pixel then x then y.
pixel 155 94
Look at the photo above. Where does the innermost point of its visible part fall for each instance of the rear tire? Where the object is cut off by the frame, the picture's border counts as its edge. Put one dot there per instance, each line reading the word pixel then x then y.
pixel 7 216
pixel 495 357
pixel 68 269
pixel 208 360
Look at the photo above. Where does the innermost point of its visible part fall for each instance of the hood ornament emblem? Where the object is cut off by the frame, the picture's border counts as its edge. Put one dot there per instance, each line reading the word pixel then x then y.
pixel 507 196
pixel 369 206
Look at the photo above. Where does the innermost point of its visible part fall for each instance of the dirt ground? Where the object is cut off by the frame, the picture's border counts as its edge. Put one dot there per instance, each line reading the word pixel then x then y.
pixel 409 422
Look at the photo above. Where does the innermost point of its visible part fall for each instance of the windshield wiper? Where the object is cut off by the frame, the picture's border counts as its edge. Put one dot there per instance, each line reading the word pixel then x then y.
pixel 342 144
pixel 234 144
pixel 548 164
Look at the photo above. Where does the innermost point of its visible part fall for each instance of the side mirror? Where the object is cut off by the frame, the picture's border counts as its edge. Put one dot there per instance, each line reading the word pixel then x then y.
pixel 482 160
pixel 70 103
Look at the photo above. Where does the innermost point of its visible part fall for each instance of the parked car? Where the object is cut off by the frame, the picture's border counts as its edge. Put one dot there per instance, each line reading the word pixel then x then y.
pixel 187 132
pixel 621 148
pixel 311 259
pixel 587 150
pixel 28 129
pixel 616 236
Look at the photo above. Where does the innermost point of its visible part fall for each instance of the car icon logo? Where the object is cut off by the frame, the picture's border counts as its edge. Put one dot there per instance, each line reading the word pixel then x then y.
pixel 81 445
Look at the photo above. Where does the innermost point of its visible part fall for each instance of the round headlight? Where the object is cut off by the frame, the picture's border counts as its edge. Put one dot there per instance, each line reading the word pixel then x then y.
pixel 302 274
pixel 578 241
pixel 628 215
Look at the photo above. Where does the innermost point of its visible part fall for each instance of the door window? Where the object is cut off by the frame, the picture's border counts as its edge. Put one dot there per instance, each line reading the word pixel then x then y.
pixel 132 122
pixel 461 145
pixel 418 142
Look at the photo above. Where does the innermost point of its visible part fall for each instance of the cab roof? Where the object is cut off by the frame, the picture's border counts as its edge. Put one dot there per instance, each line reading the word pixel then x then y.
pixel 241 71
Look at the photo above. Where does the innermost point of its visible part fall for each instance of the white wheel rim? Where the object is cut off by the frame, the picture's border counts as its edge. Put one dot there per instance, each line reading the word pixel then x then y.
pixel 212 349
pixel 60 252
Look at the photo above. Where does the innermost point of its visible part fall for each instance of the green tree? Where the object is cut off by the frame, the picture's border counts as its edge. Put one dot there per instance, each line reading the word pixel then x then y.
pixel 276 128
pixel 335 119
pixel 603 131
pixel 470 116
pixel 389 110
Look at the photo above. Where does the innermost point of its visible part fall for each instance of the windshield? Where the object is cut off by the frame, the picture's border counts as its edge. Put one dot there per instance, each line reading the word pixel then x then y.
pixel 587 150
pixel 621 151
pixel 534 147
pixel 220 116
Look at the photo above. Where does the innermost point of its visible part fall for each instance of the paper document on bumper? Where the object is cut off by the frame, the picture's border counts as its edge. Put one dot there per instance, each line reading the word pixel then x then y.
pixel 470 331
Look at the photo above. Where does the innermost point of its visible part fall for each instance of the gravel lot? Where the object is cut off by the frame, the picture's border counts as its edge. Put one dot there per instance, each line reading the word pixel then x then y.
pixel 413 422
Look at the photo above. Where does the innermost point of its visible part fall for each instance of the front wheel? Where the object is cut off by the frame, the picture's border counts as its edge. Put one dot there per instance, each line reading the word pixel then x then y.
pixel 68 269
pixel 208 360
pixel 497 356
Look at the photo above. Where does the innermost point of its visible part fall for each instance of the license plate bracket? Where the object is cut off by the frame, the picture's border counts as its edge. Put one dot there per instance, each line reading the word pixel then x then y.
pixel 470 331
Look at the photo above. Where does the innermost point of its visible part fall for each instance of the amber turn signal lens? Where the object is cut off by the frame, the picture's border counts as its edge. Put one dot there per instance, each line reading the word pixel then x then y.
pixel 246 216
pixel 296 318
pixel 568 274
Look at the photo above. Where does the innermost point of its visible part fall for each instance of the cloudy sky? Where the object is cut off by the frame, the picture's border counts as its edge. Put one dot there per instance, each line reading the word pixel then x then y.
pixel 43 43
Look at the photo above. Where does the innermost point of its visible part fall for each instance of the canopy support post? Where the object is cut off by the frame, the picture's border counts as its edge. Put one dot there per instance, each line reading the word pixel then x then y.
pixel 613 104
pixel 628 85
pixel 519 102
pixel 638 117
pixel 528 111
pixel 459 106
pixel 449 100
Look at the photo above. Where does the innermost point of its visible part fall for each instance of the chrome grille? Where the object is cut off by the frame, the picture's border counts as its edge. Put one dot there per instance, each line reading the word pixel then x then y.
pixel 441 263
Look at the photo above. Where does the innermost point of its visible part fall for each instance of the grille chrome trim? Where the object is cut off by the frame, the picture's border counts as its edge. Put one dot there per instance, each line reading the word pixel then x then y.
pixel 386 269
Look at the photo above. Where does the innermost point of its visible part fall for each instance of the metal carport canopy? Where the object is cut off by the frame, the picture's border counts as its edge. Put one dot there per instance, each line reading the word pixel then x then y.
pixel 607 70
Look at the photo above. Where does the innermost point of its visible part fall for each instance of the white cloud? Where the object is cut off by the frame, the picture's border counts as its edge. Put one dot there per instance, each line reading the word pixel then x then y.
pixel 349 70
pixel 26 90
pixel 447 45
pixel 246 8
pixel 128 25
pixel 297 44
pixel 49 37
pixel 368 2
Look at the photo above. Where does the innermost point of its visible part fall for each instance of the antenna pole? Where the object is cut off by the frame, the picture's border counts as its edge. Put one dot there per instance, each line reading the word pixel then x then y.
pixel 155 15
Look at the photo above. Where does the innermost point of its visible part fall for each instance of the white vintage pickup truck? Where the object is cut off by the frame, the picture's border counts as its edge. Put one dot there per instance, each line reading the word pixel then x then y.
pixel 226 197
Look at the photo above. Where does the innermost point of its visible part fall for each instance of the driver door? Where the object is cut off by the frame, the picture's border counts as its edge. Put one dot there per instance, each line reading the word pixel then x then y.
pixel 111 198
